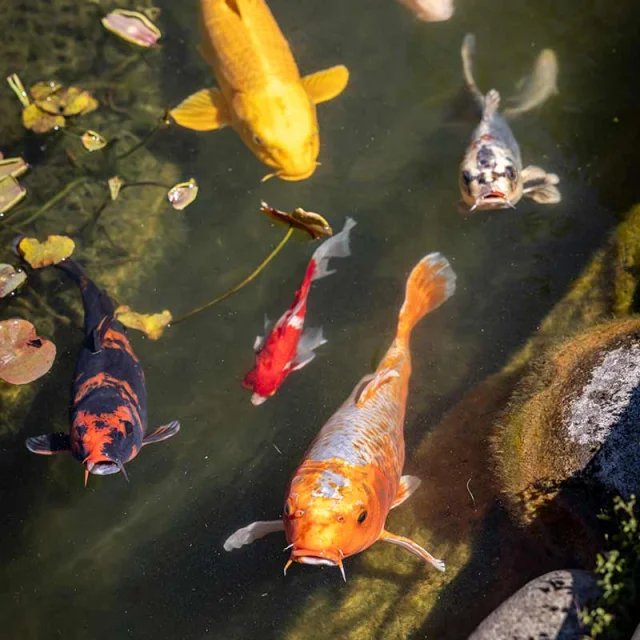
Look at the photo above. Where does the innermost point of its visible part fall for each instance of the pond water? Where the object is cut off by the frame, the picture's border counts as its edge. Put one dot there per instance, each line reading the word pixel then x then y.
pixel 145 559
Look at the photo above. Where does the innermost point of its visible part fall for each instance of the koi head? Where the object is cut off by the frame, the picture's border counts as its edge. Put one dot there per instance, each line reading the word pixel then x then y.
pixel 263 380
pixel 490 178
pixel 282 133
pixel 102 466
pixel 329 516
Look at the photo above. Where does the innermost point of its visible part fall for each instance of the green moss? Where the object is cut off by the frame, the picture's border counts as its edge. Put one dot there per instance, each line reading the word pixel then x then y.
pixel 614 614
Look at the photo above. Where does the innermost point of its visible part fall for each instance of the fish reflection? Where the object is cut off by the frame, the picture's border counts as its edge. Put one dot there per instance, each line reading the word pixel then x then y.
pixel 491 174
pixel 338 500
pixel 109 409
pixel 261 94
pixel 288 347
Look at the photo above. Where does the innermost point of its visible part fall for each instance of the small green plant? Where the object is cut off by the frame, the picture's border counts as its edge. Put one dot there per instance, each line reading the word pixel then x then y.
pixel 614 614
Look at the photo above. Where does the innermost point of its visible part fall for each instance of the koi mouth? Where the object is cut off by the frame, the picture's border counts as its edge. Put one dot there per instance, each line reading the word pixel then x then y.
pixel 257 399
pixel 305 556
pixel 104 468
pixel 492 200
pixel 291 177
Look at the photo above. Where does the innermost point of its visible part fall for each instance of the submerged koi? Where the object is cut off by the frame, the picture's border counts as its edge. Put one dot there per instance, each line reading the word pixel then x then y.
pixel 338 499
pixel 261 94
pixel 109 408
pixel 491 174
pixel 288 348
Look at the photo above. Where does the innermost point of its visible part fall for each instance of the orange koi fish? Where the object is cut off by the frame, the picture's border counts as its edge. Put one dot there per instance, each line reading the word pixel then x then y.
pixel 338 499
pixel 261 94
pixel 289 348
pixel 109 409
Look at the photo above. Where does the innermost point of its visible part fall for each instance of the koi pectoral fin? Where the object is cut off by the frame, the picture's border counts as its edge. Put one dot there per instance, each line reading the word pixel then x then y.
pixel 408 484
pixel 49 444
pixel 309 340
pixel 162 433
pixel 380 379
pixel 327 84
pixel 540 186
pixel 412 547
pixel 252 532
pixel 205 110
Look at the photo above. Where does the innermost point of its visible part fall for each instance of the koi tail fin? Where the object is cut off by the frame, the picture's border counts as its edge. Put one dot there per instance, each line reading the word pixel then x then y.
pixel 467 52
pixel 431 283
pixel 97 304
pixel 335 247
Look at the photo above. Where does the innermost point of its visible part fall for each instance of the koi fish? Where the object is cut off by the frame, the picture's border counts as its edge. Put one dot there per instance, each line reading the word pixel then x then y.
pixel 261 94
pixel 491 174
pixel 538 87
pixel 430 10
pixel 289 347
pixel 109 408
pixel 338 499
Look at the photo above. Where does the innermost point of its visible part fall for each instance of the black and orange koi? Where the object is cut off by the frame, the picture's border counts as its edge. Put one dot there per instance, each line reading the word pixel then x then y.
pixel 109 407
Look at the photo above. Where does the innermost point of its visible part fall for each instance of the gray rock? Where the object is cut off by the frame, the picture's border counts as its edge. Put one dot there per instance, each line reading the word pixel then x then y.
pixel 603 420
pixel 545 608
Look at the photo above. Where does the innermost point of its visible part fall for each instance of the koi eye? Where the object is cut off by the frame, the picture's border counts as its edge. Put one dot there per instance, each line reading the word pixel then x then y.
pixel 510 173
pixel 466 176
pixel 287 509
pixel 362 517
pixel 257 140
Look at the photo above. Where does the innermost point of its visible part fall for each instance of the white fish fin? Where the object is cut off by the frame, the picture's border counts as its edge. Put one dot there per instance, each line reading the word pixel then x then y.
pixel 379 379
pixel 335 247
pixel 408 484
pixel 544 194
pixel 258 343
pixel 252 532
pixel 540 185
pixel 309 340
pixel 412 547
pixel 491 105
pixel 467 53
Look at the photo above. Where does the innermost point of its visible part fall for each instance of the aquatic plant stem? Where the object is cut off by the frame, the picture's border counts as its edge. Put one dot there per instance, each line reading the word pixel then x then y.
pixel 59 196
pixel 237 288
pixel 142 142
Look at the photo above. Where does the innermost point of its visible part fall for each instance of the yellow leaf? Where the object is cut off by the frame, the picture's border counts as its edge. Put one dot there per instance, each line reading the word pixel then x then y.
pixel 42 254
pixel 152 325
pixel 67 102
pixel 40 122
pixel 42 90
pixel 93 141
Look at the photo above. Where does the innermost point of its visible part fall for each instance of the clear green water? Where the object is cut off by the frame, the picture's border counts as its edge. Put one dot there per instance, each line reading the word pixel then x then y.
pixel 145 560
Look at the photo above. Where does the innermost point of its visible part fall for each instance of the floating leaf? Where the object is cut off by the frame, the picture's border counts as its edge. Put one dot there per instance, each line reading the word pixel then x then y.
pixel 10 279
pixel 42 90
pixel 115 184
pixel 183 194
pixel 13 167
pixel 71 101
pixel 40 122
pixel 152 325
pixel 42 254
pixel 10 193
pixel 24 357
pixel 312 223
pixel 132 26
pixel 93 141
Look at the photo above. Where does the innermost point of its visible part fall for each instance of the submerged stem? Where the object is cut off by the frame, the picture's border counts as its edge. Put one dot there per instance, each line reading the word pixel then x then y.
pixel 245 282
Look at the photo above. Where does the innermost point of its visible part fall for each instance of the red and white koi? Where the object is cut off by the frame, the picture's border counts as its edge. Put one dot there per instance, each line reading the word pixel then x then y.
pixel 289 347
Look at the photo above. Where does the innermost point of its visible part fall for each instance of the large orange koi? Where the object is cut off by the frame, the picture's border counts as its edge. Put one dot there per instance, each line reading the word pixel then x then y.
pixel 338 500
pixel 261 94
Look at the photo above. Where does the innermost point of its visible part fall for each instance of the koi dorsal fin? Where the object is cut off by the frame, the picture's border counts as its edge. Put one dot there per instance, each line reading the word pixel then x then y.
pixel 408 484
pixel 379 379
pixel 49 444
pixel 326 84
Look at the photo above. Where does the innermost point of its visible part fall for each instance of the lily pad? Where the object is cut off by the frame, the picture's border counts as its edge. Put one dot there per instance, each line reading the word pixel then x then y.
pixel 10 193
pixel 13 167
pixel 312 223
pixel 183 194
pixel 24 357
pixel 93 141
pixel 71 101
pixel 132 26
pixel 43 254
pixel 10 279
pixel 39 121
pixel 152 325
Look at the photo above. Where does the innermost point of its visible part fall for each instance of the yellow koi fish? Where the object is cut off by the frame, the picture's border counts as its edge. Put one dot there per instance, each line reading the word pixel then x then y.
pixel 261 93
